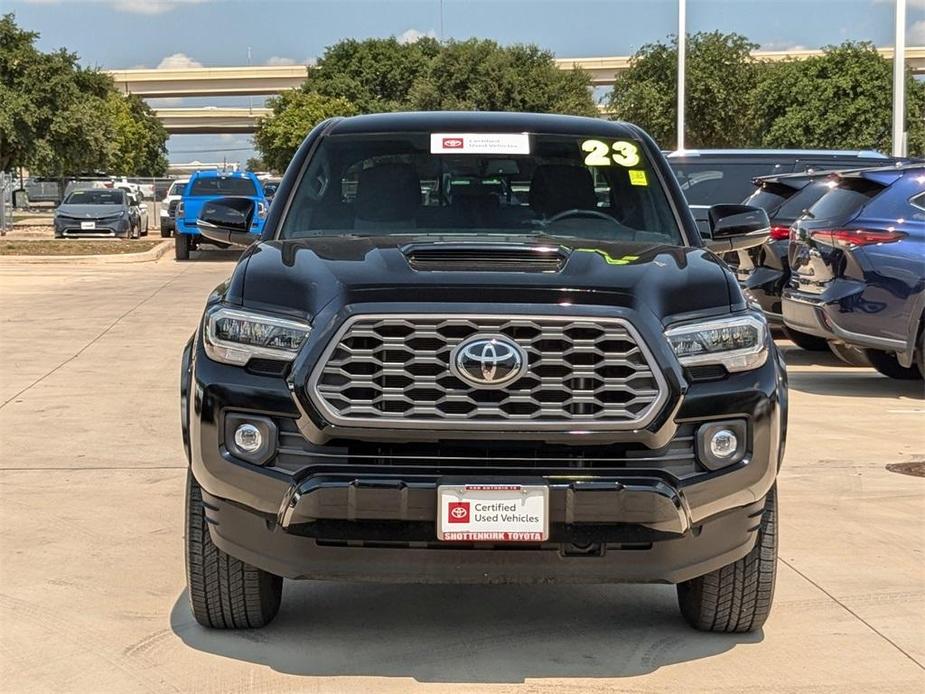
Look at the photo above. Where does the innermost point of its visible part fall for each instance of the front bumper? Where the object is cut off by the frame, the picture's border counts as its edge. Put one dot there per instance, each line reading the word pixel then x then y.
pixel 642 509
pixel 636 558
pixel 69 228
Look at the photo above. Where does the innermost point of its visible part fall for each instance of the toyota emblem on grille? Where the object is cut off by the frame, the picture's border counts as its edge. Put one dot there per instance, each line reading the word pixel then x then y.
pixel 488 361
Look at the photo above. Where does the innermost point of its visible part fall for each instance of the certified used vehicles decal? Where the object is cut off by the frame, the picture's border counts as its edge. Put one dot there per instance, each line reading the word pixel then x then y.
pixel 479 143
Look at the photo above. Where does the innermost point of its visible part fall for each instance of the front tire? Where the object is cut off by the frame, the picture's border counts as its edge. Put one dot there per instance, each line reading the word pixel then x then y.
pixel 182 246
pixel 736 598
pixel 810 343
pixel 224 592
pixel 887 364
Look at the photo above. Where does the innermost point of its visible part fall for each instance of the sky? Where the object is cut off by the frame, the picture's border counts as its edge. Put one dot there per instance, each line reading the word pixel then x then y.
pixel 211 33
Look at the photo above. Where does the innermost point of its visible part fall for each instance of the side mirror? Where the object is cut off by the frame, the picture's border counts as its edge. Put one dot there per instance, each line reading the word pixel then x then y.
pixel 737 227
pixel 228 220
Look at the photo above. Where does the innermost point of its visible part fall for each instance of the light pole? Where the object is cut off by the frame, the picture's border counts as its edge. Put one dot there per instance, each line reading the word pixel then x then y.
pixel 682 49
pixel 899 82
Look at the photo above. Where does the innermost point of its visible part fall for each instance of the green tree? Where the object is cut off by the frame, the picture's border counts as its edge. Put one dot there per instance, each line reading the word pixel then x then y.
pixel 294 113
pixel 256 164
pixel 58 118
pixel 139 140
pixel 481 75
pixel 721 77
pixel 842 99
pixel 375 75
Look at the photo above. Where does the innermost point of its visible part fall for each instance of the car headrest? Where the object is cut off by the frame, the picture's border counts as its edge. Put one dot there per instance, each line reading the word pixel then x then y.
pixel 388 193
pixel 558 187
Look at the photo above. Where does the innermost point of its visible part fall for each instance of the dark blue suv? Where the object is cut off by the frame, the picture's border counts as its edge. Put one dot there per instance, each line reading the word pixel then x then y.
pixel 857 261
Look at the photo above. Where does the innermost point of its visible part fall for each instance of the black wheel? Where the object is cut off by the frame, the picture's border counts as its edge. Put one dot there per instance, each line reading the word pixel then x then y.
pixel 851 355
pixel 182 246
pixel 224 592
pixel 887 364
pixel 738 596
pixel 805 341
pixel 165 232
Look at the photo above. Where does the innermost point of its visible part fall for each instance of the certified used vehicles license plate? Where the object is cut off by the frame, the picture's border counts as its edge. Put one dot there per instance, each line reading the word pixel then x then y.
pixel 492 513
pixel 88 225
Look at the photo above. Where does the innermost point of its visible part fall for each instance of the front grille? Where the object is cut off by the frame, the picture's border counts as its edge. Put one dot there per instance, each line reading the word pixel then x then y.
pixel 172 208
pixel 393 370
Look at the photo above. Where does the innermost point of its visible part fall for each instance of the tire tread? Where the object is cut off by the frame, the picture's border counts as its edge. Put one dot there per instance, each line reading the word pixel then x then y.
pixel 736 597
pixel 224 592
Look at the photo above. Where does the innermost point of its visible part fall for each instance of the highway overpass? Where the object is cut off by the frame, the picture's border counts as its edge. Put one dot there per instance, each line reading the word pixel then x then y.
pixel 210 119
pixel 604 71
pixel 152 83
pixel 273 79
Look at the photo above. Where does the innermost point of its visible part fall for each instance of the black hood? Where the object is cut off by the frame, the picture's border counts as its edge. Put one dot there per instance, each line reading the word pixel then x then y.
pixel 303 276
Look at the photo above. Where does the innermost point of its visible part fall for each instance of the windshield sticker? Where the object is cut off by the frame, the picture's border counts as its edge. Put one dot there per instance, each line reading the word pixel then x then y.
pixel 479 143
pixel 638 177
pixel 601 154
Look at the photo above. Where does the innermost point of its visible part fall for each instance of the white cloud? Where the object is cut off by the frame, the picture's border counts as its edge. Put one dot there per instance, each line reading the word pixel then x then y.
pixel 177 61
pixel 413 35
pixel 916 33
pixel 280 60
pixel 912 4
pixel 782 46
pixel 149 7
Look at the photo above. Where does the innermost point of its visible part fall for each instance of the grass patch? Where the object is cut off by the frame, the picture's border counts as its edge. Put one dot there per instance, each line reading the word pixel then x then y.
pixel 76 246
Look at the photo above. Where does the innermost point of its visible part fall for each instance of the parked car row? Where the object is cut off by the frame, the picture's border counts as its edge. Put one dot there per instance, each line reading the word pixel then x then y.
pixel 844 267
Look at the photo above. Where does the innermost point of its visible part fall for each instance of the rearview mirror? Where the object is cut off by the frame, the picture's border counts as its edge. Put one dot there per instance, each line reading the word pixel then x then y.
pixel 737 227
pixel 228 220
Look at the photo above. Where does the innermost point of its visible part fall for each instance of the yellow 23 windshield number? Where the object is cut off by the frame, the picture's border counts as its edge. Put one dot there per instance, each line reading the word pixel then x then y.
pixel 601 154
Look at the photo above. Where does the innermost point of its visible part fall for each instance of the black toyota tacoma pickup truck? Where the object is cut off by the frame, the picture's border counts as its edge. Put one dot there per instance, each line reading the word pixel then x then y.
pixel 482 347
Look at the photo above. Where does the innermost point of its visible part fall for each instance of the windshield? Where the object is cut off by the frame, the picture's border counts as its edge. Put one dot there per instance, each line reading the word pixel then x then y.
pixel 223 185
pixel 713 184
pixel 806 198
pixel 475 184
pixel 176 188
pixel 95 197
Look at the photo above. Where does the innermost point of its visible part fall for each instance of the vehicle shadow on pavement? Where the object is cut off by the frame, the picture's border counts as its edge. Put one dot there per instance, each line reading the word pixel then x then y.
pixel 856 382
pixel 794 356
pixel 476 634
pixel 214 254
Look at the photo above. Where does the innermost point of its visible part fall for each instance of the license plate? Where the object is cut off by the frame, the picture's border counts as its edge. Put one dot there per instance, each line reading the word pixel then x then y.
pixel 492 513
pixel 88 225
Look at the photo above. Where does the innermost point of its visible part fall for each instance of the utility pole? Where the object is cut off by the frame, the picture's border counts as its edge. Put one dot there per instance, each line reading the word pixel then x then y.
pixel 682 50
pixel 899 82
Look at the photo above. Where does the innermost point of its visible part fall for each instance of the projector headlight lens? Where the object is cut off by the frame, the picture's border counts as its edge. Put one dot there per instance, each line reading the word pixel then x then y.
pixel 738 343
pixel 233 336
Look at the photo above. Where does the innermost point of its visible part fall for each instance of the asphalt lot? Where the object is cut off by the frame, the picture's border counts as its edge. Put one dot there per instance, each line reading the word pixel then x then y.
pixel 91 551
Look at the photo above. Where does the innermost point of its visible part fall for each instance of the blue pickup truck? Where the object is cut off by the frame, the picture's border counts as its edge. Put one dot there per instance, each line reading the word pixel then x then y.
pixel 204 186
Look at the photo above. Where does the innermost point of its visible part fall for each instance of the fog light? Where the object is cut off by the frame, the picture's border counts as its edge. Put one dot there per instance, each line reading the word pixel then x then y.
pixel 723 444
pixel 248 438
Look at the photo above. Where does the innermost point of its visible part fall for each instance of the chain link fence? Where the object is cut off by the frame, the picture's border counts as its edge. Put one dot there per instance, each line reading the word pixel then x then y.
pixel 6 203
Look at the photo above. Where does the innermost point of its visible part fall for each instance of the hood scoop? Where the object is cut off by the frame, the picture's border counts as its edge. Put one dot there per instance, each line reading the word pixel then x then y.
pixel 485 257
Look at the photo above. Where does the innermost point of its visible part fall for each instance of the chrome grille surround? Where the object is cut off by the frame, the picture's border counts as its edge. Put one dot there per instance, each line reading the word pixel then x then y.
pixel 393 371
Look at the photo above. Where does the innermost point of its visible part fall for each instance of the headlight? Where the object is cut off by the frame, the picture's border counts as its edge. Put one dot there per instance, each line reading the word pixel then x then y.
pixel 739 343
pixel 233 336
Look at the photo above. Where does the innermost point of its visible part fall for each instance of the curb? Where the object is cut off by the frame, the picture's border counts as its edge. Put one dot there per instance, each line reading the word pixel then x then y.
pixel 144 257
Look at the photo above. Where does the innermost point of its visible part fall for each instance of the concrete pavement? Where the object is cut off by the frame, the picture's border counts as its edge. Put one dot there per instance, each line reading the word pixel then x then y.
pixel 91 552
